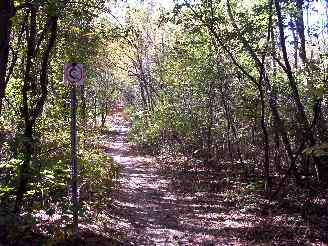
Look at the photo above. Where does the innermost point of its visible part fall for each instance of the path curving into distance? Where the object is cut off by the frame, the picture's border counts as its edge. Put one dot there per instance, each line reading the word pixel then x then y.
pixel 150 209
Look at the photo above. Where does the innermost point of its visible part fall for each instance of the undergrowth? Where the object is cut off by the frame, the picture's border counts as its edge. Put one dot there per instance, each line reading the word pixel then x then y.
pixel 47 208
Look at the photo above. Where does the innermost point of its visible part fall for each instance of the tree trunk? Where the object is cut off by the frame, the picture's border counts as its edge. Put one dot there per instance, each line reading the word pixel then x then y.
pixel 210 119
pixel 83 106
pixel 29 112
pixel 25 168
pixel 227 120
pixel 6 12
pixel 95 111
pixel 288 70
pixel 230 122
pixel 295 38
pixel 271 96
pixel 266 143
pixel 300 29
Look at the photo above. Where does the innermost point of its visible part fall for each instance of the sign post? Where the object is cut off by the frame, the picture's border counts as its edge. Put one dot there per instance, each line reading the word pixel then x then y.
pixel 74 160
pixel 74 75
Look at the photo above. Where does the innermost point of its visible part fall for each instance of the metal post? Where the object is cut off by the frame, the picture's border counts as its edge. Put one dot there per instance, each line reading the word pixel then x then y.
pixel 74 161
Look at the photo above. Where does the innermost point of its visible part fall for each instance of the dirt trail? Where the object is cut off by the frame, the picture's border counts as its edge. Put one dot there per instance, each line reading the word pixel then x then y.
pixel 152 206
pixel 149 211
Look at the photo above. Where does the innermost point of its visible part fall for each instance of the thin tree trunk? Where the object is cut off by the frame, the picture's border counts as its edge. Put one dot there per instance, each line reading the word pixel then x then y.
pixel 227 120
pixel 143 96
pixel 95 110
pixel 210 118
pixel 28 132
pixel 30 114
pixel 6 12
pixel 300 29
pixel 302 118
pixel 266 143
pixel 83 106
pixel 44 80
pixel 266 82
pixel 295 38
pixel 230 122
pixel 25 169
pixel 272 100
pixel 288 70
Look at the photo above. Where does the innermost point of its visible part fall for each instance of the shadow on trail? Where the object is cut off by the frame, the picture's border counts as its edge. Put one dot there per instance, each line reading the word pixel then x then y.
pixel 150 209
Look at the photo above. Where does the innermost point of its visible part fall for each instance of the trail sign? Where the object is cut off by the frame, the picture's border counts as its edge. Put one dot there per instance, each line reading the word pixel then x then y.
pixel 74 73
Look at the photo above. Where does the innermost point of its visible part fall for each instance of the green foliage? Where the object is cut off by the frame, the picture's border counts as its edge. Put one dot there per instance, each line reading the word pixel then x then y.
pixel 80 38
pixel 317 151
pixel 97 169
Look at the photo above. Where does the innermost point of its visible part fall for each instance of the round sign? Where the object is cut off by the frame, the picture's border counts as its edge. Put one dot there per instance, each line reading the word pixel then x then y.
pixel 74 73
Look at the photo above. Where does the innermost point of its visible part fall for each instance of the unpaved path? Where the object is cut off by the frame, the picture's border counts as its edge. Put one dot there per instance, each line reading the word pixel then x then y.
pixel 152 208
pixel 149 212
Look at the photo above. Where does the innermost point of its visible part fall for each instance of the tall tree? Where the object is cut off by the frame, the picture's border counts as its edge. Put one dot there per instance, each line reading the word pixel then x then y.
pixel 6 12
